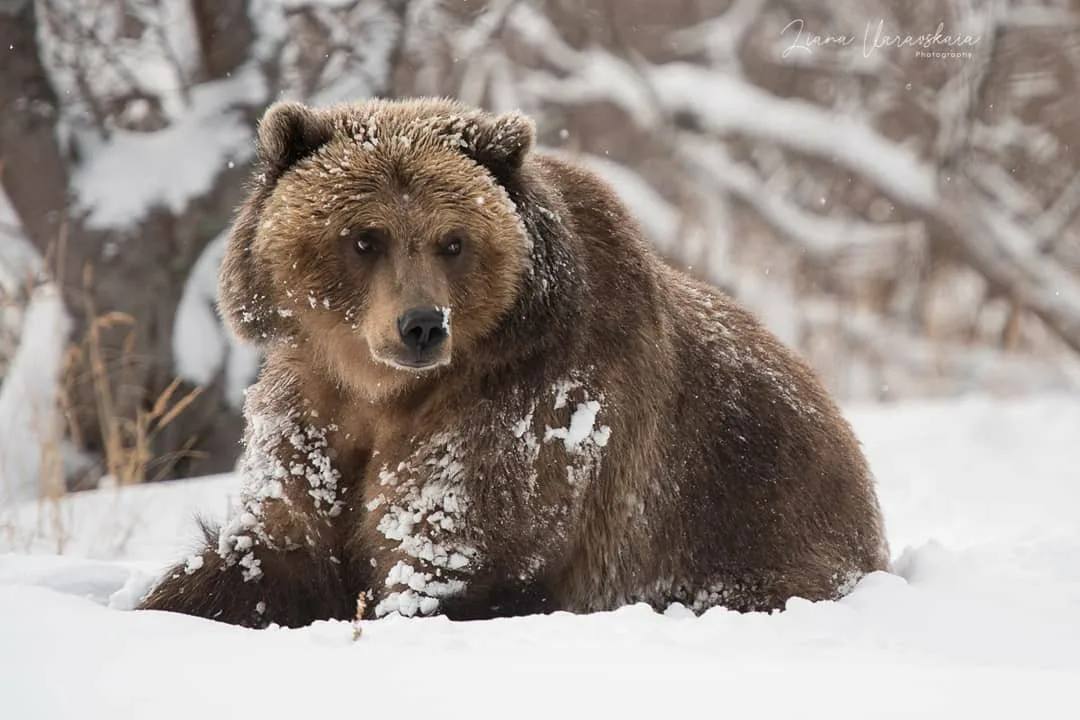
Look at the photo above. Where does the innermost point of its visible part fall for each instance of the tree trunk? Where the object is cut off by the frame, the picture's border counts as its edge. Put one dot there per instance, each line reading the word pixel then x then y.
pixel 139 271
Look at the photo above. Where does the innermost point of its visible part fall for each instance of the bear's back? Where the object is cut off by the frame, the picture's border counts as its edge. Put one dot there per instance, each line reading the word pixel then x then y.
pixel 757 472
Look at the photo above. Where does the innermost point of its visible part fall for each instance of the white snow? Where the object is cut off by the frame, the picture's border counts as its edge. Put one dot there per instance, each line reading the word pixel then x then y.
pixel 725 103
pixel 981 620
pixel 581 436
pixel 581 427
pixel 19 259
pixel 417 517
pixel 201 342
pixel 152 523
pixel 184 157
pixel 194 564
pixel 29 415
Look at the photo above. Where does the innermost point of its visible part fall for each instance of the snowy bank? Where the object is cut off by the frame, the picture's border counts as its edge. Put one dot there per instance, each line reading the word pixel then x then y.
pixel 982 618
pixel 29 418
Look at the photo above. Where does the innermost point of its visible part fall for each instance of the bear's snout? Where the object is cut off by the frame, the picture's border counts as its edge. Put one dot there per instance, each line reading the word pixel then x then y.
pixel 422 330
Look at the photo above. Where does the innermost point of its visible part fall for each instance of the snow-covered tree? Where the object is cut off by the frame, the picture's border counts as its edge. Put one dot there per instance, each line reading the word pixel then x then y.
pixel 893 186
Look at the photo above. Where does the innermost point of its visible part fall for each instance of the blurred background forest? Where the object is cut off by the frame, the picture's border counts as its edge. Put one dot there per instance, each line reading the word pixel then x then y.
pixel 892 186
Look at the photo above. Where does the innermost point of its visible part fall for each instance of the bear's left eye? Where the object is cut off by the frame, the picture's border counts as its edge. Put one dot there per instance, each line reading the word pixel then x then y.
pixel 452 243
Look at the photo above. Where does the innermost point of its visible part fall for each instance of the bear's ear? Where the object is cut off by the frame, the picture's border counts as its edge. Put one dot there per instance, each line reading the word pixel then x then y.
pixel 501 143
pixel 289 132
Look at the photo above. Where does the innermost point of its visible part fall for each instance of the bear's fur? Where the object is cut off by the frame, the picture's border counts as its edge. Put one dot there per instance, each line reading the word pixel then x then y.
pixel 597 429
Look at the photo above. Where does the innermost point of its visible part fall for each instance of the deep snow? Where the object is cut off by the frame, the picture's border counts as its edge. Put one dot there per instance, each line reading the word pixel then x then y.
pixel 981 620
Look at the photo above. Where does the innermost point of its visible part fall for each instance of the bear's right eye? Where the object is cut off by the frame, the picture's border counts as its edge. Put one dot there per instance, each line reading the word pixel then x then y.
pixel 366 240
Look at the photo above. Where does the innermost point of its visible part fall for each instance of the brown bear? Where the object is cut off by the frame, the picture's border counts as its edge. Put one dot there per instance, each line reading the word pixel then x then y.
pixel 485 395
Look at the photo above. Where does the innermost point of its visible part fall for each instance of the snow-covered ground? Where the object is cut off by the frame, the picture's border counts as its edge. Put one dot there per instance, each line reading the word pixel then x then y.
pixel 981 619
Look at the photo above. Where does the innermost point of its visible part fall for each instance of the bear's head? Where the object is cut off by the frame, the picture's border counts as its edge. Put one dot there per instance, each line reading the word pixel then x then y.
pixel 379 237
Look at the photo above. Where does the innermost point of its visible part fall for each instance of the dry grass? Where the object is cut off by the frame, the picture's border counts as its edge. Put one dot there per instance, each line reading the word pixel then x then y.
pixel 128 430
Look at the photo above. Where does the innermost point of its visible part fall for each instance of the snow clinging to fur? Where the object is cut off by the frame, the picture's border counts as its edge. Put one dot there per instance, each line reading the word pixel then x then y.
pixel 280 450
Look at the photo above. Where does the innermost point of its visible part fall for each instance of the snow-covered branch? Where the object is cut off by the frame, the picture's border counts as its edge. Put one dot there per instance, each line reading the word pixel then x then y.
pixel 821 237
pixel 724 105
pixel 1010 259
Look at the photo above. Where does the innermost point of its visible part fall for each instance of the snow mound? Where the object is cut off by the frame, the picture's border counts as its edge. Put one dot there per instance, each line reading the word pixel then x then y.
pixel 202 345
pixel 980 619
pixel 29 421
pixel 154 523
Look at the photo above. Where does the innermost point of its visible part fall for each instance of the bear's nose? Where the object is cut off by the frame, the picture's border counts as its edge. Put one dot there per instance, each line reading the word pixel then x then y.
pixel 422 328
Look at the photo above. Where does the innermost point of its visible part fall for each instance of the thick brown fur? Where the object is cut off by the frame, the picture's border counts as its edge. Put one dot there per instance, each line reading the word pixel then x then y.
pixel 599 429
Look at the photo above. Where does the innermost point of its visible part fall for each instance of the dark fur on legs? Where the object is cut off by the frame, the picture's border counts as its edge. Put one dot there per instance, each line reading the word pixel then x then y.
pixel 297 588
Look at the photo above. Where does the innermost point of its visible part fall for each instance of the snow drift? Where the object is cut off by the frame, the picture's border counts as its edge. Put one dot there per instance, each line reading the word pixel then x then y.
pixel 980 618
